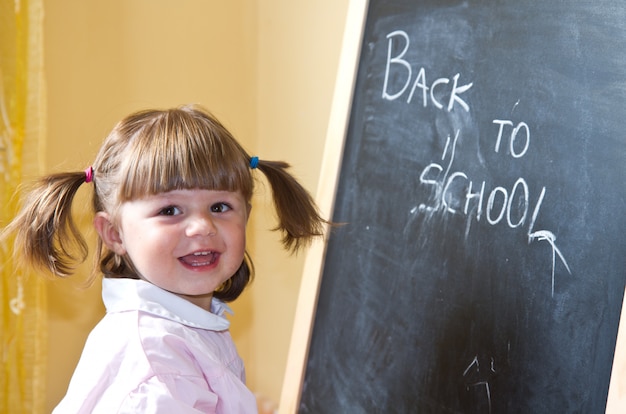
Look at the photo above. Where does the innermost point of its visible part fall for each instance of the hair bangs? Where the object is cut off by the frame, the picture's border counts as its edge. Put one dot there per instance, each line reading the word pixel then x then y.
pixel 182 150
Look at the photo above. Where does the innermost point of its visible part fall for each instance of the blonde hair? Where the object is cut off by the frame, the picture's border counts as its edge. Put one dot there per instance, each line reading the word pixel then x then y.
pixel 147 153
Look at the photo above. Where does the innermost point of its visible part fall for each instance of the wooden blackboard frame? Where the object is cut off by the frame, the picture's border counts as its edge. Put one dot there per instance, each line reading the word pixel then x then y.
pixel 325 198
pixel 616 402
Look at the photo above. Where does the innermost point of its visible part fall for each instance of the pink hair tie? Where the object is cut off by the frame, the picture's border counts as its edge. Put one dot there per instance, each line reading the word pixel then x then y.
pixel 89 175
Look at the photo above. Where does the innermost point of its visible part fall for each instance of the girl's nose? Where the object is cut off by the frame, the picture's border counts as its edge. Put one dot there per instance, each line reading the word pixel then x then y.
pixel 201 225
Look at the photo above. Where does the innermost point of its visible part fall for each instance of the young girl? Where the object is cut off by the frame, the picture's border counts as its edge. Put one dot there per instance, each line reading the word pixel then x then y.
pixel 171 194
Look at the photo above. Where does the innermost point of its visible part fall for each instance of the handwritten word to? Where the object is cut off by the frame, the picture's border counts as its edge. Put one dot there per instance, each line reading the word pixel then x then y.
pixel 398 62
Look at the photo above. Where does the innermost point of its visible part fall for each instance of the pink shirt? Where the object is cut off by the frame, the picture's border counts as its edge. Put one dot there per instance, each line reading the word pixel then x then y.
pixel 155 352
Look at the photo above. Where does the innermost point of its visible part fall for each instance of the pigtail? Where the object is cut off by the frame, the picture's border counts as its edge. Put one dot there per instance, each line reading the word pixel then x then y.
pixel 298 217
pixel 46 236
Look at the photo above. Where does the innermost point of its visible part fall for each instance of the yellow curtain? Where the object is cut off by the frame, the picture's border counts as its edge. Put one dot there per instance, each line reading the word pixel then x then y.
pixel 22 296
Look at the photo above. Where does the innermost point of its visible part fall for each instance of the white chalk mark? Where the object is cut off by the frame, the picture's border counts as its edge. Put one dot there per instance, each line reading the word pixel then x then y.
pixel 514 106
pixel 545 235
pixel 445 149
pixel 456 137
pixel 487 391
pixel 474 362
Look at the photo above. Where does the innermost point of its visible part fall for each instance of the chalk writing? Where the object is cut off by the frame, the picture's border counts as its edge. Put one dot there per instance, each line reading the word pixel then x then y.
pixel 511 206
pixel 513 138
pixel 398 62
pixel 478 379
pixel 454 192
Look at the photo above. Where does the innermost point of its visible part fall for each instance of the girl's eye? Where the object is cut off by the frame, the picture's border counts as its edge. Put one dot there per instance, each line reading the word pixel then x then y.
pixel 220 208
pixel 169 211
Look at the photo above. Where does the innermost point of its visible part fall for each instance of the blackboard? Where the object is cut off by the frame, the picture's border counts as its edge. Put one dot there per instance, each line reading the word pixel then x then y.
pixel 482 264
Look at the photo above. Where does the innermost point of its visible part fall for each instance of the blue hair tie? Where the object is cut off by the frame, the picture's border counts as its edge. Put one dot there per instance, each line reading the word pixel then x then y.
pixel 254 161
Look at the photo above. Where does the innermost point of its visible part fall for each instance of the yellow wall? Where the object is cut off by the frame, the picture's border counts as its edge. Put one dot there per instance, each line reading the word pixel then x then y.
pixel 265 68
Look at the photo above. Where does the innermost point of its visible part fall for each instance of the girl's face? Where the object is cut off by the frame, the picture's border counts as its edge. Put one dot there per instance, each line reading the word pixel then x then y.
pixel 188 242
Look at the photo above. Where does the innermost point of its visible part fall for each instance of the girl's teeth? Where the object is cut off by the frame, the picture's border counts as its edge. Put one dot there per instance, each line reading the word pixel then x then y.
pixel 199 258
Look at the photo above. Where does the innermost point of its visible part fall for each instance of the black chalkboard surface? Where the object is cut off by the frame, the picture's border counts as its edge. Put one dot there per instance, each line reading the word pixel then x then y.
pixel 482 264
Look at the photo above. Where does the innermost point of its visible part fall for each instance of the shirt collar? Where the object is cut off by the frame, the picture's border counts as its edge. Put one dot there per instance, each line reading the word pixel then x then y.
pixel 121 295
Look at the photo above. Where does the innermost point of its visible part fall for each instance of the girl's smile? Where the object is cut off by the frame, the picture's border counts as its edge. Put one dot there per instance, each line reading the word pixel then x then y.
pixel 188 242
pixel 200 259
